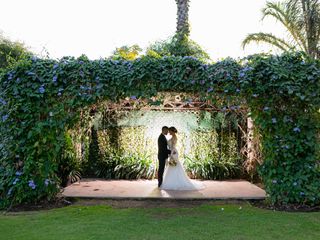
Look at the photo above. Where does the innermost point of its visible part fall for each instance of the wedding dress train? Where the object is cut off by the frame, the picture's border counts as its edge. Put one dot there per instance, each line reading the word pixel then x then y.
pixel 175 177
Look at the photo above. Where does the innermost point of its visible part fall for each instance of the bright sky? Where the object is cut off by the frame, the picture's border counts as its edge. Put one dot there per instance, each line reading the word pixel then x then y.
pixel 97 27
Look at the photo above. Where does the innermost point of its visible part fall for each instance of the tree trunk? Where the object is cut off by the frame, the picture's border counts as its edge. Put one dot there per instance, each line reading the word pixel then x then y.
pixel 183 17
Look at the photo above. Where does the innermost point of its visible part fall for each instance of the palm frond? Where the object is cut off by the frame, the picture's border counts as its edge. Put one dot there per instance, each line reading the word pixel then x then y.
pixel 288 18
pixel 266 38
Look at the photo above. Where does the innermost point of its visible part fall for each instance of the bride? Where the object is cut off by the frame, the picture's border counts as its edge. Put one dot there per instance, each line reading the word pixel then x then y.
pixel 175 177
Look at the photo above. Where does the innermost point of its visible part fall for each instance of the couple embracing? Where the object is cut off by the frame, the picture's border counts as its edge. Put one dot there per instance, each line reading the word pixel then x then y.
pixel 172 176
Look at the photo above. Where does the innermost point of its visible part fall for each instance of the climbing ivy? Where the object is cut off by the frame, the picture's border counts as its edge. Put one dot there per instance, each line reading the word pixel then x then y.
pixel 41 99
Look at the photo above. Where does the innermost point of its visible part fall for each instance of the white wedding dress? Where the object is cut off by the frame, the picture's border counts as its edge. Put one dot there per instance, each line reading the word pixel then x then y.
pixel 175 177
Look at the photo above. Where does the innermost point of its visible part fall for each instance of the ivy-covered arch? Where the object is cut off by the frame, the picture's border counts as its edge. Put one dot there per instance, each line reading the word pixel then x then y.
pixel 42 98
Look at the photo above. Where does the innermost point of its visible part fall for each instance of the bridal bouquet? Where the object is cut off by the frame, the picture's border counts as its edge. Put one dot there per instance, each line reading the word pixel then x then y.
pixel 172 161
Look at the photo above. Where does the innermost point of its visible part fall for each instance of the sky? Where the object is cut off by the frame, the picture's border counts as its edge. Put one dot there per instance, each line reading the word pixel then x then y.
pixel 97 27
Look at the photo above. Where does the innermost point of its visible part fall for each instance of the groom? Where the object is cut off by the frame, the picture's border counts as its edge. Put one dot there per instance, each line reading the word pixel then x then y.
pixel 163 153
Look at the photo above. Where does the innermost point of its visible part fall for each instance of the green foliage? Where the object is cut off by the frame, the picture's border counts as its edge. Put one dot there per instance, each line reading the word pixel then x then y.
pixel 68 166
pixel 126 166
pixel 284 100
pixel 214 155
pixel 41 99
pixel 11 52
pixel 178 45
pixel 301 19
pixel 212 169
pixel 126 53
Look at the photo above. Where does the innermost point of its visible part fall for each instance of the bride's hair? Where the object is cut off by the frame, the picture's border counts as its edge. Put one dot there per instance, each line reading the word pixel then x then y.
pixel 173 129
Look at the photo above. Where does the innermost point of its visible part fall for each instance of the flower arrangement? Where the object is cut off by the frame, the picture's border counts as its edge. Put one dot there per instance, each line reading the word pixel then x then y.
pixel 172 161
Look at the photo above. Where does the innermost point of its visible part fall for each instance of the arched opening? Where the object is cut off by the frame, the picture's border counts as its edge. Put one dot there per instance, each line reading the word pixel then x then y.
pixel 120 141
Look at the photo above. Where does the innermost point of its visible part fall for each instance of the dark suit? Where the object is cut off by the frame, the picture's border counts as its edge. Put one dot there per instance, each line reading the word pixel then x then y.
pixel 163 153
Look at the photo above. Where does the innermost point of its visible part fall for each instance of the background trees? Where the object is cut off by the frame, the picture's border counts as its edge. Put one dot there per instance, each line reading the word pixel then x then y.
pixel 301 19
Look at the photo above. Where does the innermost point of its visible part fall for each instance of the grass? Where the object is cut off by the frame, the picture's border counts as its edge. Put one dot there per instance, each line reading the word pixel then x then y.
pixel 201 222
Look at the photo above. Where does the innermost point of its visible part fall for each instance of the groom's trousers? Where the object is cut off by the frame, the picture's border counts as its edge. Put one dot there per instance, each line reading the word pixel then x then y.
pixel 162 163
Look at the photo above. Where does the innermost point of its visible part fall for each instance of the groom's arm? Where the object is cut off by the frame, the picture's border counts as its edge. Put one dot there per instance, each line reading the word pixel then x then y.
pixel 164 145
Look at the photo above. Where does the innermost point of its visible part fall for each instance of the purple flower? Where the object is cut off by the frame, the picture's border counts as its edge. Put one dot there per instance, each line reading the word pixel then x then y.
pixel 54 79
pixel 42 89
pixel 9 192
pixel 296 129
pixel 255 95
pixel 241 74
pixel 226 90
pixel 302 194
pixel 5 118
pixel 46 182
pixel 237 90
pixel 210 89
pixel 274 120
pixel 15 181
pixel 32 184
pixel 274 181
pixel 10 76
pixel 81 73
pixel 55 66
pixel 193 82
pixel 266 109
pixel 3 101
pixel 18 173
pixel 202 82
pixel 30 73
pixel 133 97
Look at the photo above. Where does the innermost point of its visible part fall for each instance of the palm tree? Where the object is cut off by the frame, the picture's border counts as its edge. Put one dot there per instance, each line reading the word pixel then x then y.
pixel 183 27
pixel 301 18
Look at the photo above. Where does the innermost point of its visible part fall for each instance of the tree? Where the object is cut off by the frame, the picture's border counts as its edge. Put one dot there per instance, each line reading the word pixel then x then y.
pixel 126 53
pixel 183 26
pixel 180 44
pixel 301 18
pixel 177 46
pixel 11 52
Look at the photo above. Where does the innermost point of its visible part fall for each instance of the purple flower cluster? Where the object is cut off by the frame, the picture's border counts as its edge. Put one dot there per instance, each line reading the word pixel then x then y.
pixel 10 76
pixel 60 91
pixel 5 117
pixel 3 102
pixel 15 181
pixel 32 184
pixel 297 129
pixel 274 120
pixel 54 79
pixel 210 89
pixel 42 89
pixel 46 182
pixel 9 192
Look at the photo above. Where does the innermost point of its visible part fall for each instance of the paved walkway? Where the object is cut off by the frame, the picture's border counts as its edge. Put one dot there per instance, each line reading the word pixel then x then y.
pixel 147 189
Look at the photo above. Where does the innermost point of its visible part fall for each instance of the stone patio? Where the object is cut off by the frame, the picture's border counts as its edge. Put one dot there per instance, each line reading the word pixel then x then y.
pixel 147 189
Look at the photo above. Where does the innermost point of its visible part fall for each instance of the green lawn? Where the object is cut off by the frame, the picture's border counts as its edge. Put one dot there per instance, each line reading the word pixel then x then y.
pixel 203 222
